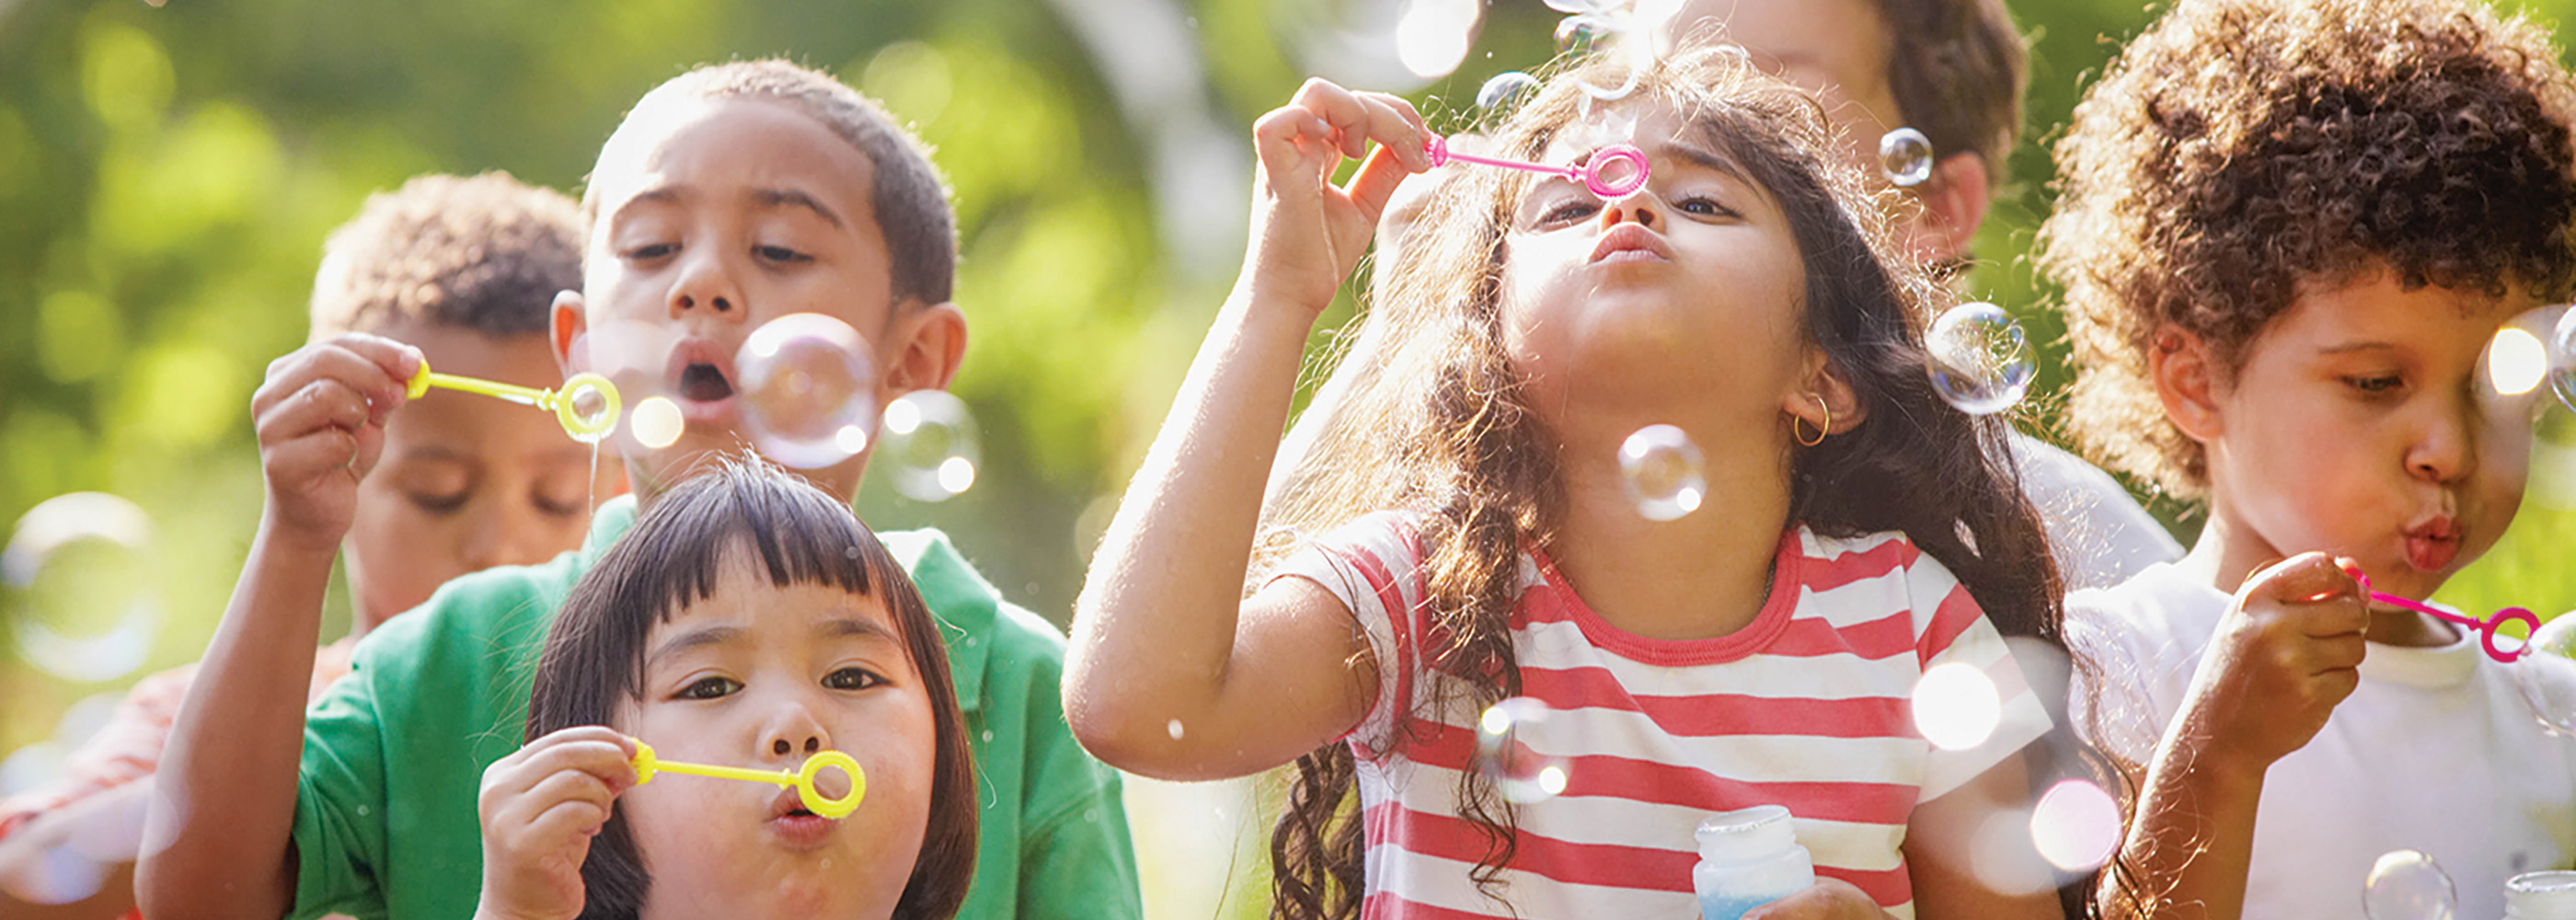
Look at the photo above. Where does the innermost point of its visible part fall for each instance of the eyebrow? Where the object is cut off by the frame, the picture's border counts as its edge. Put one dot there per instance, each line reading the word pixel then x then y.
pixel 700 637
pixel 2350 347
pixel 659 194
pixel 1701 157
pixel 840 627
pixel 791 198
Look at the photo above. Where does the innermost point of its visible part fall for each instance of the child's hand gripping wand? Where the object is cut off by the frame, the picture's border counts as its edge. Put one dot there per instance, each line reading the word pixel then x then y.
pixel 648 766
pixel 588 424
pixel 2486 627
pixel 1611 172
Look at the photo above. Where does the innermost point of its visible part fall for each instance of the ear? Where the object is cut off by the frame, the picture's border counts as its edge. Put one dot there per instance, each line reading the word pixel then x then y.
pixel 1954 204
pixel 925 348
pixel 2188 380
pixel 1827 403
pixel 566 333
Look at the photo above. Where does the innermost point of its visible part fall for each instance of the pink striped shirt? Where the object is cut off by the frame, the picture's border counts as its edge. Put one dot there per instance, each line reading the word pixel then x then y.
pixel 1807 707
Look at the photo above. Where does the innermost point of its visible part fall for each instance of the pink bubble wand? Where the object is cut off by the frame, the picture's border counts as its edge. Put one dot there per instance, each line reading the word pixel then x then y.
pixel 2486 627
pixel 1611 172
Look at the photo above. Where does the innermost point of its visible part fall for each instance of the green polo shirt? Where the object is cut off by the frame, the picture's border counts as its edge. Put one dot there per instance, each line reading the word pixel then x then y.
pixel 385 821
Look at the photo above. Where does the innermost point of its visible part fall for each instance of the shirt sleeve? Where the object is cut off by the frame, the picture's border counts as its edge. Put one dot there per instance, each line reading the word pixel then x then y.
pixel 126 749
pixel 1076 860
pixel 2112 702
pixel 1957 632
pixel 340 801
pixel 1372 566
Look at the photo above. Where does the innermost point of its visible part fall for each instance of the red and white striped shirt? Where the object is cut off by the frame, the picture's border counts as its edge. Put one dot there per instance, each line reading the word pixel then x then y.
pixel 1807 707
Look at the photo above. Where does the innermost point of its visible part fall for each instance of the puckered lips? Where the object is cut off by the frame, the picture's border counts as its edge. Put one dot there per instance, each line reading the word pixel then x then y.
pixel 1630 242
pixel 2432 544
pixel 795 826
pixel 702 377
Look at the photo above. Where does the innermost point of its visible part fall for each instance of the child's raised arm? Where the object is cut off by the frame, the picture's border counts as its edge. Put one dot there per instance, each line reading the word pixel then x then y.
pixel 1171 673
pixel 225 800
pixel 2288 650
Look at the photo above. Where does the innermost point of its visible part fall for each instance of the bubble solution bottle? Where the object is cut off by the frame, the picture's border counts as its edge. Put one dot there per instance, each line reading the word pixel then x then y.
pixel 1747 859
pixel 2541 896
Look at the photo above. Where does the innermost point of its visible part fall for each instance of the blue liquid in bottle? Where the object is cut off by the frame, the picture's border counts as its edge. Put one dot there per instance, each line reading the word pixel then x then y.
pixel 1747 859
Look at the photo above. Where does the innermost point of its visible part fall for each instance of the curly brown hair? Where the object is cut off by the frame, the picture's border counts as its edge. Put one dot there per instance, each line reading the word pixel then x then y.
pixel 2241 151
pixel 486 254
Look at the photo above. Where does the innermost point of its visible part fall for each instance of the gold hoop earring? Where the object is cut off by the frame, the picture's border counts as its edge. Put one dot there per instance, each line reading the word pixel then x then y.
pixel 1822 430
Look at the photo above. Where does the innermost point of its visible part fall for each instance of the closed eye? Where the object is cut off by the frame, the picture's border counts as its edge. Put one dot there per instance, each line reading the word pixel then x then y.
pixel 2376 385
pixel 853 678
pixel 651 251
pixel 780 254
pixel 438 504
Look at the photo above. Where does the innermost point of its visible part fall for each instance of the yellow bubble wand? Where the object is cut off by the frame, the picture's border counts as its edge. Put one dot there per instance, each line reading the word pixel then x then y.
pixel 588 427
pixel 648 766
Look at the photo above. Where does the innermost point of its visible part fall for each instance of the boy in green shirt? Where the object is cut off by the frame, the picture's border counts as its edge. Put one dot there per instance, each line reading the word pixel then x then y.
pixel 731 195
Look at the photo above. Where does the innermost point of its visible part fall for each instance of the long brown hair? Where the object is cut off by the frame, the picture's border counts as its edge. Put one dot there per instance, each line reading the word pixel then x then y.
pixel 1436 423
pixel 790 533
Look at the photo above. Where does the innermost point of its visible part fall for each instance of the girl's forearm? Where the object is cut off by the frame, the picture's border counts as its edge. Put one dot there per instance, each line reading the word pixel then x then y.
pixel 225 798
pixel 2191 841
pixel 1154 631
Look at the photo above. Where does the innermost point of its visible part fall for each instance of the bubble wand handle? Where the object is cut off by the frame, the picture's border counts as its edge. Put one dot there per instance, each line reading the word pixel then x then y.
pixel 1610 172
pixel 2486 627
pixel 648 765
pixel 565 403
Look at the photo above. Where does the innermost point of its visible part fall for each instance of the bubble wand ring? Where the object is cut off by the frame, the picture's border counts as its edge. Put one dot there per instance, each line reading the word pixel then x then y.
pixel 1593 172
pixel 564 403
pixel 2486 627
pixel 647 766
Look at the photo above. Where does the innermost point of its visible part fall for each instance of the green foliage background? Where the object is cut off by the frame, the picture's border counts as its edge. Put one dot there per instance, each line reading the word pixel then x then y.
pixel 167 175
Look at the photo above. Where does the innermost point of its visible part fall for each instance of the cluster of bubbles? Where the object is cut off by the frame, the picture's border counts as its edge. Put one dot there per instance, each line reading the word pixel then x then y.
pixel 1520 772
pixel 1980 359
pixel 1598 27
pixel 808 395
pixel 78 582
pixel 2408 885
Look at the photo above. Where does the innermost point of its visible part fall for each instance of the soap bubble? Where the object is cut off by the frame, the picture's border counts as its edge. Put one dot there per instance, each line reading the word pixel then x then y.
pixel 1906 156
pixel 1575 6
pixel 2076 825
pixel 808 390
pixel 1584 32
pixel 79 582
pixel 1662 469
pixel 1981 362
pixel 2546 675
pixel 2407 885
pixel 1956 706
pixel 656 422
pixel 2562 358
pixel 1503 751
pixel 2516 361
pixel 928 444
pixel 1505 91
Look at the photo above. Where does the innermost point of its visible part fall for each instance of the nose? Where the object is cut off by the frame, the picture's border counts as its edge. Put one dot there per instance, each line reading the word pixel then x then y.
pixel 706 285
pixel 1640 206
pixel 503 536
pixel 2445 450
pixel 793 733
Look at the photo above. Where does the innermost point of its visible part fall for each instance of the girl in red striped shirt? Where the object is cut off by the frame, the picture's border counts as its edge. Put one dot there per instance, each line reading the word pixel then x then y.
pixel 1461 533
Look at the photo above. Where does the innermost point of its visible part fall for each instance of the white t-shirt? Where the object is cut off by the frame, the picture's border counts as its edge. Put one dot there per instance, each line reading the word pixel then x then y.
pixel 1806 707
pixel 2435 752
pixel 2100 535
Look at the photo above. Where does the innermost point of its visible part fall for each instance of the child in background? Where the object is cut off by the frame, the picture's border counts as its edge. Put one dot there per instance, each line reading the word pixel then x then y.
pixel 1462 533
pixel 463 269
pixel 747 620
pixel 730 195
pixel 1953 70
pixel 2288 231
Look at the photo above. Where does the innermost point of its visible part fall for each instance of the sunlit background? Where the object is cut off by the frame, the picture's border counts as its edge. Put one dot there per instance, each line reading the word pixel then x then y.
pixel 167 175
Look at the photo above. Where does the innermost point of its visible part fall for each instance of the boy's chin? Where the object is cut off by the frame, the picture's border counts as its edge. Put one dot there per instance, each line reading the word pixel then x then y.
pixel 654 471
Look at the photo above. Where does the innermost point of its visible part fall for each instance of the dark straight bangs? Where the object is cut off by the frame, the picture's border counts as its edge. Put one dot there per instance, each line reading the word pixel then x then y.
pixel 676 555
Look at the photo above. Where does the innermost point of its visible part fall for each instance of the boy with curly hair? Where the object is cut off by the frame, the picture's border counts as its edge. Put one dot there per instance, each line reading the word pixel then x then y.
pixel 2288 231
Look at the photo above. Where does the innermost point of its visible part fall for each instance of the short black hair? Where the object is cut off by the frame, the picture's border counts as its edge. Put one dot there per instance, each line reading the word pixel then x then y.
pixel 675 555
pixel 910 197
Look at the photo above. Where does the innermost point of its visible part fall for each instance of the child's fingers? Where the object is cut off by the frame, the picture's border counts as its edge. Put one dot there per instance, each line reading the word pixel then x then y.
pixel 317 405
pixel 362 374
pixel 569 820
pixel 398 360
pixel 1411 117
pixel 1356 119
pixel 317 452
pixel 1376 183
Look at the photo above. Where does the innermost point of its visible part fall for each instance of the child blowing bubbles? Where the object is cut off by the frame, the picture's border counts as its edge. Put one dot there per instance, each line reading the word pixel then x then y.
pixel 747 620
pixel 1465 535
pixel 2288 232
pixel 729 196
